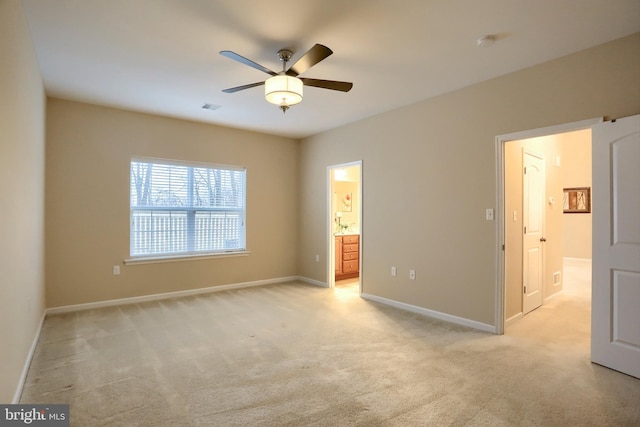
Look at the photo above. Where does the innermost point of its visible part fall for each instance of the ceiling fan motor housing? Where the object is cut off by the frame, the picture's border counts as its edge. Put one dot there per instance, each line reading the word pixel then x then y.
pixel 285 55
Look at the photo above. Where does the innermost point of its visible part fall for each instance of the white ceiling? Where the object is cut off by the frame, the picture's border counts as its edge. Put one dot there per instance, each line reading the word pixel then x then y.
pixel 161 56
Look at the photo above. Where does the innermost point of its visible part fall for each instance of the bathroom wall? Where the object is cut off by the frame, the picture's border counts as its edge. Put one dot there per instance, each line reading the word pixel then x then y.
pixel 347 202
pixel 346 196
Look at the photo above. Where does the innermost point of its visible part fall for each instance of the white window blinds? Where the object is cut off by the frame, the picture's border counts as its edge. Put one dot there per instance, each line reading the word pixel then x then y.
pixel 179 208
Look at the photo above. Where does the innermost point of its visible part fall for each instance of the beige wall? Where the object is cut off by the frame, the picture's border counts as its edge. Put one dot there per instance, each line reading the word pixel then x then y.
pixel 89 149
pixel 22 118
pixel 435 163
pixel 576 172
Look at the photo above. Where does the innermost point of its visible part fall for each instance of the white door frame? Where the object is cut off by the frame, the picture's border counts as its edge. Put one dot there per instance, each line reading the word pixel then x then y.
pixel 331 250
pixel 501 140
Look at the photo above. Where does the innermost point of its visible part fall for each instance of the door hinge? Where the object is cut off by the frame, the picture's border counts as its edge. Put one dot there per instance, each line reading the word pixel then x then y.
pixel 525 290
pixel 503 247
pixel 525 170
pixel 525 230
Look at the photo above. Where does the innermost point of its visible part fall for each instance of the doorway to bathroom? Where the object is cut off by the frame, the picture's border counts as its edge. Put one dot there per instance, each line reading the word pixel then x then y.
pixel 344 227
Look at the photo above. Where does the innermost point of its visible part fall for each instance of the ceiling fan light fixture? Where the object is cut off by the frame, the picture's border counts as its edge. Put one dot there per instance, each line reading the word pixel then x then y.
pixel 283 90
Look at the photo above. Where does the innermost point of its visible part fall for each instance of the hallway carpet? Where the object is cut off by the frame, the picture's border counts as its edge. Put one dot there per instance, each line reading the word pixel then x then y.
pixel 297 355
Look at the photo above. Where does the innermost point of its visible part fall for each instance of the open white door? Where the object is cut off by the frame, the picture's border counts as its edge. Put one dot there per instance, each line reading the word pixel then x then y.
pixel 615 317
pixel 533 195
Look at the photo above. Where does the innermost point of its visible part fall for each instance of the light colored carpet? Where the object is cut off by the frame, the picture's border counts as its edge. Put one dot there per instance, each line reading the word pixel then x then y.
pixel 297 355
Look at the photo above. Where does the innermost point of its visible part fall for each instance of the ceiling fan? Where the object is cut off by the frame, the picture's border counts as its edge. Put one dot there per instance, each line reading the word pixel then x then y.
pixel 285 88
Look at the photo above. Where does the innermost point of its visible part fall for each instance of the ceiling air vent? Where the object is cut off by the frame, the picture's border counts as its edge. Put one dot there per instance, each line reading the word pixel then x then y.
pixel 211 106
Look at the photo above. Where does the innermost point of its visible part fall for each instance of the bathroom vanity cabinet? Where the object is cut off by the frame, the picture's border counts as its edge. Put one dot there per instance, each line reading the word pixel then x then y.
pixel 347 256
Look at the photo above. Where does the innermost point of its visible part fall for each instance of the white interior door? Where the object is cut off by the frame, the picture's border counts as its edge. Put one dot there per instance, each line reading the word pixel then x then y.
pixel 615 305
pixel 533 196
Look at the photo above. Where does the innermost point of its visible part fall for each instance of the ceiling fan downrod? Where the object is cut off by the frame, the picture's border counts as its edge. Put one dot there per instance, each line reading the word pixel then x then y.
pixel 284 55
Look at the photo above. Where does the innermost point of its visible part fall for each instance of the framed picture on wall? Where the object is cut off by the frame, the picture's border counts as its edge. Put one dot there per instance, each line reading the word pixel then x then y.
pixel 577 200
pixel 346 202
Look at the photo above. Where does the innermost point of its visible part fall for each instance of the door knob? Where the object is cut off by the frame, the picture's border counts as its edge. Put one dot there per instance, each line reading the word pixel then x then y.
pixel 542 239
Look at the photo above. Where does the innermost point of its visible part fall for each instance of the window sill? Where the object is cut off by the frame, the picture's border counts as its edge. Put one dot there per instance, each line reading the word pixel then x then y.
pixel 186 257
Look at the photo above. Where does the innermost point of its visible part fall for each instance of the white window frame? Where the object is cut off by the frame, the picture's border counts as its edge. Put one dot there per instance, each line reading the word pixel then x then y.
pixel 185 213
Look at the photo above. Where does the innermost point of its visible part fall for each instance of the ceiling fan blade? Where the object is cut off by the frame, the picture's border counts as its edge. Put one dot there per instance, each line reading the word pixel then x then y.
pixel 328 84
pixel 314 55
pixel 243 87
pixel 245 61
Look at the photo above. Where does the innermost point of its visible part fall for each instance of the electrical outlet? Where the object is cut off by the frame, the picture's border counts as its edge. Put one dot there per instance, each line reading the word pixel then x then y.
pixel 412 274
pixel 116 270
pixel 394 271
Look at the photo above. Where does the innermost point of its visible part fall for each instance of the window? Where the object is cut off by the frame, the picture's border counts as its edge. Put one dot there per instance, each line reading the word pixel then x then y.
pixel 182 209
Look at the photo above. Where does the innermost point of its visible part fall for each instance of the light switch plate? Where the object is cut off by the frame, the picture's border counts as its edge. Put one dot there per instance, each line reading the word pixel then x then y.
pixel 489 214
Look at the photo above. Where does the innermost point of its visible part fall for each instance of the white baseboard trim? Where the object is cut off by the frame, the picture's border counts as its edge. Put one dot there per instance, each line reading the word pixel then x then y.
pixel 553 295
pixel 585 260
pixel 166 295
pixel 313 282
pixel 432 313
pixel 27 362
pixel 512 319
